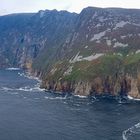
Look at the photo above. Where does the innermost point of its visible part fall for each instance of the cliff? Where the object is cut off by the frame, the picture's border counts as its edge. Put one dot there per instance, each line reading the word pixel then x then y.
pixel 113 75
pixel 94 52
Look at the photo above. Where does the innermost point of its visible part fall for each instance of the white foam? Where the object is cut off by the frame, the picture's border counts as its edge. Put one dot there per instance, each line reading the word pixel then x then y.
pixel 26 89
pixel 13 69
pixel 27 75
pixel 131 98
pixel 130 131
pixel 14 93
pixel 55 98
pixel 35 88
pixel 20 74
pixel 6 89
pixel 80 96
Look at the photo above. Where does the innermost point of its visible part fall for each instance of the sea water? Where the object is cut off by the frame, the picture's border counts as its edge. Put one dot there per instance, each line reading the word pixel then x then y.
pixel 29 113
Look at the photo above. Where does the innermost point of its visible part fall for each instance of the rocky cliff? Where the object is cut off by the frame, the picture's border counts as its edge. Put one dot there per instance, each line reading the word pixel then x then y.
pixel 94 52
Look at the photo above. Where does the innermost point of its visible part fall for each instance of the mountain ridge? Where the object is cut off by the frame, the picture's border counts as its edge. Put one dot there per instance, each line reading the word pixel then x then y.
pixel 94 52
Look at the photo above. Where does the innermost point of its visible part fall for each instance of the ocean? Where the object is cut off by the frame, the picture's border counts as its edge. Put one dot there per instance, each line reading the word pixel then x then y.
pixel 29 113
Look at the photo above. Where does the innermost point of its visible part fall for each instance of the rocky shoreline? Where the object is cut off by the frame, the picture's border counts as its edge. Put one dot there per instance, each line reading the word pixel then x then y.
pixel 118 85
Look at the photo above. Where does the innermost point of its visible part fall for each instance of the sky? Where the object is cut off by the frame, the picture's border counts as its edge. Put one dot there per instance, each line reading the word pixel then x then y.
pixel 20 6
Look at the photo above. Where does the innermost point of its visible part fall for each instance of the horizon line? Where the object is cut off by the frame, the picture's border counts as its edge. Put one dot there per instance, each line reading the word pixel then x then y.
pixel 34 12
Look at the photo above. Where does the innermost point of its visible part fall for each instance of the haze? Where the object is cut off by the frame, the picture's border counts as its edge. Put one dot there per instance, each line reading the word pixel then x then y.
pixel 20 6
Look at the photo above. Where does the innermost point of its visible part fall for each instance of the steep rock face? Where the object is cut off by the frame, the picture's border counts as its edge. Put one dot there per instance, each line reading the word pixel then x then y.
pixel 94 52
pixel 11 38
pixel 110 74
pixel 25 36
pixel 123 85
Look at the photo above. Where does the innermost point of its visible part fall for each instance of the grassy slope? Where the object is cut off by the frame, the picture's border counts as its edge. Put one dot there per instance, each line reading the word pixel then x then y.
pixel 88 70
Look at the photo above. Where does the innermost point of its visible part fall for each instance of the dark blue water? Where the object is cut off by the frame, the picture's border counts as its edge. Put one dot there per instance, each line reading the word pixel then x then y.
pixel 26 113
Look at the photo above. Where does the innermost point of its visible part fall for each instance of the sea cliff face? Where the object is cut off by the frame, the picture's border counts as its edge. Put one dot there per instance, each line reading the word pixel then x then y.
pixel 115 86
pixel 92 53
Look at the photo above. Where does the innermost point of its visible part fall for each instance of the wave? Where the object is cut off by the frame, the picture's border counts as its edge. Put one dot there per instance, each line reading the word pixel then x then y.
pixel 131 98
pixel 33 88
pixel 6 89
pixel 36 88
pixel 80 96
pixel 21 74
pixel 13 69
pixel 27 75
pixel 131 131
pixel 56 98
pixel 26 89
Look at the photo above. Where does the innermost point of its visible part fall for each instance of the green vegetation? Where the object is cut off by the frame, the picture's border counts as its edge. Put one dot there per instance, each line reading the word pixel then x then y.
pixel 132 59
pixel 104 66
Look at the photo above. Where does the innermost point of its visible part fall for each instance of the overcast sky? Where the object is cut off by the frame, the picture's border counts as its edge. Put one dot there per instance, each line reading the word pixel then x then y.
pixel 18 6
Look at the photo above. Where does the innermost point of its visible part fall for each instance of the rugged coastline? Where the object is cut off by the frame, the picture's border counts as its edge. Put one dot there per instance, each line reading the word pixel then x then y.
pixel 123 86
pixel 115 86
pixel 91 53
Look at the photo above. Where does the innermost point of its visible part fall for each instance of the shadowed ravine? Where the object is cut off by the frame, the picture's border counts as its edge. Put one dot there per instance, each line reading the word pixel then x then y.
pixel 26 112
